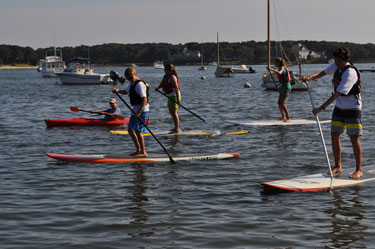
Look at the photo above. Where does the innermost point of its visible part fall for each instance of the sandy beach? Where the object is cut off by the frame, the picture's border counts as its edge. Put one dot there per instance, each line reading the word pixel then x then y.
pixel 20 66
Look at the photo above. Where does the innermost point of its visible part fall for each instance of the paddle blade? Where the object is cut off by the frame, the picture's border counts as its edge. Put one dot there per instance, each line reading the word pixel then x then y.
pixel 74 109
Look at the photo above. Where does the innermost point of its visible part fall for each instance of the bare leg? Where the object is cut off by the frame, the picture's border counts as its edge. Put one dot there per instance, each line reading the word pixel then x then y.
pixel 357 149
pixel 135 141
pixel 283 109
pixel 176 120
pixel 336 146
pixel 141 142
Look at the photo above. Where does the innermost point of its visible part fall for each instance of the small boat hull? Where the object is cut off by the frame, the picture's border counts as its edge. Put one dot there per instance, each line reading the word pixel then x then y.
pixel 84 122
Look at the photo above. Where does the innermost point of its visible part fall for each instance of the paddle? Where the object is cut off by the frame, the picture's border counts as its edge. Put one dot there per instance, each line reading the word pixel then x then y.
pixel 272 78
pixel 321 133
pixel 157 140
pixel 217 131
pixel 76 109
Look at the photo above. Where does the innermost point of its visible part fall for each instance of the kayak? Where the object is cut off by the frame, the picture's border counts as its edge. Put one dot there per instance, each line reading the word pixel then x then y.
pixel 130 159
pixel 84 122
pixel 184 133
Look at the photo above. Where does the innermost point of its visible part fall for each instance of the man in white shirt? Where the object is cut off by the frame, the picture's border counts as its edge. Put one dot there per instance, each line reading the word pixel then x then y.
pixel 347 113
pixel 138 93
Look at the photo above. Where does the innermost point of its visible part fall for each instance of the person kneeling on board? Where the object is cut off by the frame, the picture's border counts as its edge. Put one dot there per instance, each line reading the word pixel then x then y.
pixel 109 113
pixel 347 112
pixel 138 94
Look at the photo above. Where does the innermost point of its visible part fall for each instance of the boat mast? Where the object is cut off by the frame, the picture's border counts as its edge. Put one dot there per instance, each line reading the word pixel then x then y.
pixel 268 33
pixel 218 59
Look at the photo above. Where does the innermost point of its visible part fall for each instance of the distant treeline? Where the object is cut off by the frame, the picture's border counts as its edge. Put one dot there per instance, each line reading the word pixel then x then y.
pixel 250 52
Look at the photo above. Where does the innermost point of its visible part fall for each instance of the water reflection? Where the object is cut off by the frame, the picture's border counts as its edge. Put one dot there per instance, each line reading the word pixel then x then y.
pixel 139 197
pixel 346 216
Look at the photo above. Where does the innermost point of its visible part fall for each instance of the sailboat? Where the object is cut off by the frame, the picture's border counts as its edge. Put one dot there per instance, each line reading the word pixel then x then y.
pixel 222 71
pixel 202 68
pixel 270 81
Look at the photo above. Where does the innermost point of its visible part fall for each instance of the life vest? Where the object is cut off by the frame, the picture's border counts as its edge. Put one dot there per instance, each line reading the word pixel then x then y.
pixel 284 78
pixel 167 84
pixel 337 77
pixel 135 99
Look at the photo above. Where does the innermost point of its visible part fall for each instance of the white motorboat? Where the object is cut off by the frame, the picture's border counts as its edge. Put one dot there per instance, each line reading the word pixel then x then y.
pixel 80 73
pixel 243 69
pixel 158 65
pixel 52 63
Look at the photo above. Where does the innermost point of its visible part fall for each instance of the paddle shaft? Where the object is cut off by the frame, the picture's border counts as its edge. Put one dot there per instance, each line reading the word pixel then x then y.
pixel 116 116
pixel 320 131
pixel 157 140
pixel 274 81
pixel 184 107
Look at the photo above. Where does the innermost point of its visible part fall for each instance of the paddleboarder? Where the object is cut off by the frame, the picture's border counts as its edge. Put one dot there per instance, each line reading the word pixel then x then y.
pixel 138 94
pixel 171 86
pixel 111 112
pixel 347 112
pixel 284 87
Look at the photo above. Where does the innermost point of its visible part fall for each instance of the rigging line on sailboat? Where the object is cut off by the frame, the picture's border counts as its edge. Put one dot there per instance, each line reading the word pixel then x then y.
pixel 279 15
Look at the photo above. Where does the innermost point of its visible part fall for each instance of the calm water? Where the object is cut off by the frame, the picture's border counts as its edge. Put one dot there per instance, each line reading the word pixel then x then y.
pixel 210 204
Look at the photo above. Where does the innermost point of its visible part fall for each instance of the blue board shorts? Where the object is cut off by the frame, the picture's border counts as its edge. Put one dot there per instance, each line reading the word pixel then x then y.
pixel 346 120
pixel 136 125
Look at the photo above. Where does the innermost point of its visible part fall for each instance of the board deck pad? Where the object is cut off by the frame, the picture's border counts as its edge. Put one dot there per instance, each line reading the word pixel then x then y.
pixel 321 181
pixel 276 122
pixel 130 159
pixel 184 133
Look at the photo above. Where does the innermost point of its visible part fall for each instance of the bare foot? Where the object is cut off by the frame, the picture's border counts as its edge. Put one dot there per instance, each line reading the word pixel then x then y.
pixel 134 153
pixel 140 155
pixel 174 131
pixel 336 172
pixel 286 120
pixel 356 175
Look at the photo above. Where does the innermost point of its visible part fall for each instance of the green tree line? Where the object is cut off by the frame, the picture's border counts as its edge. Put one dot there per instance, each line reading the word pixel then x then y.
pixel 249 52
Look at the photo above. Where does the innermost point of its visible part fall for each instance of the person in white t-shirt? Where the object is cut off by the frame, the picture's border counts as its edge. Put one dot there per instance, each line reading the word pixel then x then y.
pixel 347 113
pixel 138 93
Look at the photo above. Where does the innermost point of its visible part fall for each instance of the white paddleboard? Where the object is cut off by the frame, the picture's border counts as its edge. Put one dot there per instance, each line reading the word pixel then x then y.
pixel 130 159
pixel 184 133
pixel 276 122
pixel 320 181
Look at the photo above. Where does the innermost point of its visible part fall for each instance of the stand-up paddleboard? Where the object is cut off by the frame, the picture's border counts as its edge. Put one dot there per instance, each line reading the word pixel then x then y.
pixel 320 181
pixel 129 159
pixel 275 122
pixel 184 133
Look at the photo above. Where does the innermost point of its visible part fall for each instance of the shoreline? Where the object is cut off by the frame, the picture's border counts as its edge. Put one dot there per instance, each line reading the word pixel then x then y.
pixel 18 67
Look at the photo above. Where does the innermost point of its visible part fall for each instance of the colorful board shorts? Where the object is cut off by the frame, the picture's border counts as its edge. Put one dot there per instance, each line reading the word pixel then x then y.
pixel 172 102
pixel 136 125
pixel 349 120
pixel 285 89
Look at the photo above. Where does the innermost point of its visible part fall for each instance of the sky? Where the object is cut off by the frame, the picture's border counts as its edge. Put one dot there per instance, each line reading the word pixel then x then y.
pixel 38 23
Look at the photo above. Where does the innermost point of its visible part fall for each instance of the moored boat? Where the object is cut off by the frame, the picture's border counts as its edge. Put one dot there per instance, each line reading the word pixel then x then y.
pixel 52 64
pixel 80 72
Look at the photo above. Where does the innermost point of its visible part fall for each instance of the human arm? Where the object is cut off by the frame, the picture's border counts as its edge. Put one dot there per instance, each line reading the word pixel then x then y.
pixel 115 90
pixel 314 76
pixel 329 101
pixel 279 72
